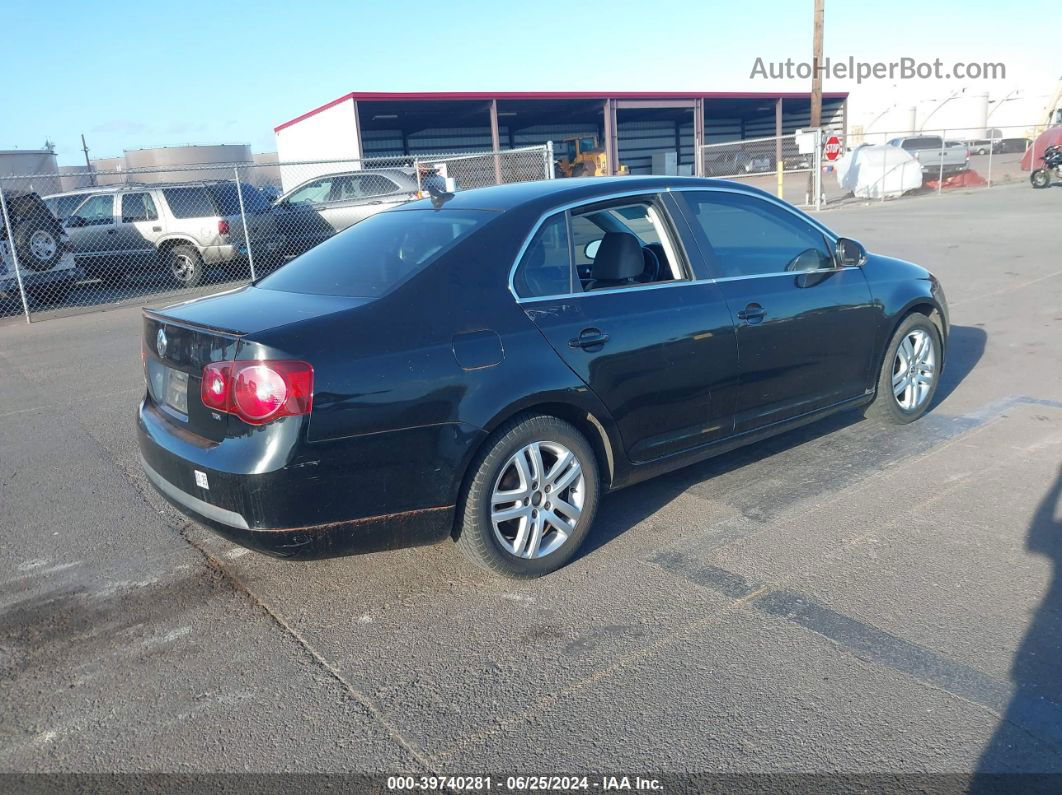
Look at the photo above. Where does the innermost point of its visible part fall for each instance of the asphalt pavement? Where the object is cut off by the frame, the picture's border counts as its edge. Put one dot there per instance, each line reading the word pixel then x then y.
pixel 845 598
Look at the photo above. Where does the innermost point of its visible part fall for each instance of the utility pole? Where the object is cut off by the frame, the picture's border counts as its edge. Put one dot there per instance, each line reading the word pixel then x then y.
pixel 88 163
pixel 816 86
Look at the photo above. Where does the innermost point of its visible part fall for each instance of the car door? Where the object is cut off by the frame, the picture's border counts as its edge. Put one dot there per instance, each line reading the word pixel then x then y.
pixel 660 354
pixel 92 229
pixel 137 228
pixel 806 330
pixel 354 197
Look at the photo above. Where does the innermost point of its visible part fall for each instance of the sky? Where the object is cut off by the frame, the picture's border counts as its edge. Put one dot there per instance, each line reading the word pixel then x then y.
pixel 131 75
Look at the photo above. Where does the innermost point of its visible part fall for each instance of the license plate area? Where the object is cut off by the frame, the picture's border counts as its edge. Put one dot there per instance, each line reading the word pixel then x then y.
pixel 168 387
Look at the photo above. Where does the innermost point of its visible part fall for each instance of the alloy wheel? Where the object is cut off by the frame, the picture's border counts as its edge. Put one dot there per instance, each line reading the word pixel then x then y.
pixel 914 369
pixel 537 499
pixel 182 267
pixel 42 245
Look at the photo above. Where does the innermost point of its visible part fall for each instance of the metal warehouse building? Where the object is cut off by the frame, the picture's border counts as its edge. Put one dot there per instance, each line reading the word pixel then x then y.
pixel 633 126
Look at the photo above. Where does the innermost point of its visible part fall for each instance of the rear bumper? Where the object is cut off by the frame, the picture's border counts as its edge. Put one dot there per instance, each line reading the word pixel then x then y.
pixel 333 503
pixel 260 247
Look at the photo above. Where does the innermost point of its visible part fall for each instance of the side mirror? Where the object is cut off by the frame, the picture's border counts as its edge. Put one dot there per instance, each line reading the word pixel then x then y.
pixel 75 221
pixel 850 252
pixel 590 249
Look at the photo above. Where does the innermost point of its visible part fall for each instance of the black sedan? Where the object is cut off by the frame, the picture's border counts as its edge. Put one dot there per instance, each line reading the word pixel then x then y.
pixel 485 365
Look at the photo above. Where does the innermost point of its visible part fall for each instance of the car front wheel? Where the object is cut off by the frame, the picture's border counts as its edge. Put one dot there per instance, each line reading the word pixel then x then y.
pixel 530 499
pixel 910 372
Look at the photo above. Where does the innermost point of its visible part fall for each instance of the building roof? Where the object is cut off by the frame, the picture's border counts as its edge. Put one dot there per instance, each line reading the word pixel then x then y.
pixel 546 96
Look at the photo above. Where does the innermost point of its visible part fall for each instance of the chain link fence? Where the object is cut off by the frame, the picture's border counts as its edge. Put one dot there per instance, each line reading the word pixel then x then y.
pixel 824 169
pixel 787 165
pixel 112 237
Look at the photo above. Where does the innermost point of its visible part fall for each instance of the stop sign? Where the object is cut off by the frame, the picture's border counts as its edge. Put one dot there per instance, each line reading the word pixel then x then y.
pixel 832 150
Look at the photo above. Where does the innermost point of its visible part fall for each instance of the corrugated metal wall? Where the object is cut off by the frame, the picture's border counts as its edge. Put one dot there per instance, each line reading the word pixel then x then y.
pixel 638 140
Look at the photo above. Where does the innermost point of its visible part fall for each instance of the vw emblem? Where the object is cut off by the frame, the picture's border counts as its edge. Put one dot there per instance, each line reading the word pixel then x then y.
pixel 160 343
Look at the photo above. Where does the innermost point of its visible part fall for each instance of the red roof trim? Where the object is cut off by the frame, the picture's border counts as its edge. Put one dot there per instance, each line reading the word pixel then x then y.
pixel 473 96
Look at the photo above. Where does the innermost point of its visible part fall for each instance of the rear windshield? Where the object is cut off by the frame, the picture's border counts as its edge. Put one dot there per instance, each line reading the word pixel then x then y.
pixel 227 198
pixel 378 254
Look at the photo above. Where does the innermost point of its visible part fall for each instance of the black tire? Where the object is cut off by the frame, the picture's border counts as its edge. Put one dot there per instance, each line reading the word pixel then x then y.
pixel 39 246
pixel 185 265
pixel 1040 178
pixel 886 407
pixel 474 531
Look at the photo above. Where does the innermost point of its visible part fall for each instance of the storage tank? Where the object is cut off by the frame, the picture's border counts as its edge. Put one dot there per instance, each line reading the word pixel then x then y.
pixel 109 170
pixel 75 178
pixel 33 169
pixel 173 161
pixel 893 122
pixel 960 115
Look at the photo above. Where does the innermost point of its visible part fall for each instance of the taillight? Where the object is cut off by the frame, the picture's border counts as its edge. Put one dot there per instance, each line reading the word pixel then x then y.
pixel 223 227
pixel 258 391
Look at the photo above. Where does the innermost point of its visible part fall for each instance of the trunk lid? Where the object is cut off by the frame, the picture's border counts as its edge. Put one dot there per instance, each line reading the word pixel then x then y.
pixel 180 340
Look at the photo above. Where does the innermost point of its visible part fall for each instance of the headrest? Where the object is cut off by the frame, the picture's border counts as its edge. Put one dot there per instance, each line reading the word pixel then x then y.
pixel 618 257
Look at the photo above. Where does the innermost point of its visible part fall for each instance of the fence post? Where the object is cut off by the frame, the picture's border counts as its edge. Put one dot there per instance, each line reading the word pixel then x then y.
pixel 550 173
pixel 991 147
pixel 940 177
pixel 884 167
pixel 779 166
pixel 243 217
pixel 416 169
pixel 818 169
pixel 14 253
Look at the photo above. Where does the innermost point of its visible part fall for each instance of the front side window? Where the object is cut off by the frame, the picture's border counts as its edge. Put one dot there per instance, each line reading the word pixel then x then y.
pixel 749 236
pixel 376 255
pixel 97 210
pixel 312 193
pixel 138 207
pixel 545 268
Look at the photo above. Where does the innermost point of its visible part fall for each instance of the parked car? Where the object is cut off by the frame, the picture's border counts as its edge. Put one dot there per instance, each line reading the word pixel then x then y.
pixel 447 368
pixel 1009 145
pixel 978 146
pixel 736 162
pixel 46 265
pixel 313 211
pixel 935 155
pixel 184 227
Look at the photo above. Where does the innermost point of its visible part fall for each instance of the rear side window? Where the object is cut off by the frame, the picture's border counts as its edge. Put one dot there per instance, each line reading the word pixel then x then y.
pixel 545 268
pixel 376 255
pixel 752 237
pixel 191 202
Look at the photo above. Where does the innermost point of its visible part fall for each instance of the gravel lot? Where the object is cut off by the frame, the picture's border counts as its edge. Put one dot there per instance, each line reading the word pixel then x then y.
pixel 846 597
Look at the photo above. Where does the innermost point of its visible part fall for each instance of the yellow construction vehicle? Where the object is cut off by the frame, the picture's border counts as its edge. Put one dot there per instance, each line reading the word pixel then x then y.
pixel 582 156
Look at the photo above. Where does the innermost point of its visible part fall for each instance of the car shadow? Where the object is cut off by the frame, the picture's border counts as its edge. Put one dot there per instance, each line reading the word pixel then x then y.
pixel 1035 706
pixel 966 346
pixel 628 507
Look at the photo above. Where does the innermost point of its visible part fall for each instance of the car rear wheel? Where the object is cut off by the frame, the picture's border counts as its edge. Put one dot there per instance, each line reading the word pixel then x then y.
pixel 531 498
pixel 910 372
pixel 185 264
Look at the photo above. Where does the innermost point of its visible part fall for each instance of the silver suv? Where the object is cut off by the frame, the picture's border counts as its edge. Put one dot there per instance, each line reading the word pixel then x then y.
pixel 183 228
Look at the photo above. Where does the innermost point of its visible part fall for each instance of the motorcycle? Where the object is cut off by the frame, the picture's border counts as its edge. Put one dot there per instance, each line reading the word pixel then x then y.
pixel 1041 177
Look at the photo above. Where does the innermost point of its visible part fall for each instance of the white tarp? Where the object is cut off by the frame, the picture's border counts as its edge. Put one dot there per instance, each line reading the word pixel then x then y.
pixel 870 171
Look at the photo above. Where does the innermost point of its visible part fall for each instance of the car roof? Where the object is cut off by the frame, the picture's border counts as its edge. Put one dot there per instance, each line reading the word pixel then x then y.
pixel 140 186
pixel 562 191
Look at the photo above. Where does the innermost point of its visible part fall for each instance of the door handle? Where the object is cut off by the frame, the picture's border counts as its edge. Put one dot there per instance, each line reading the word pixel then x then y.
pixel 753 313
pixel 156 229
pixel 588 338
pixel 110 231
